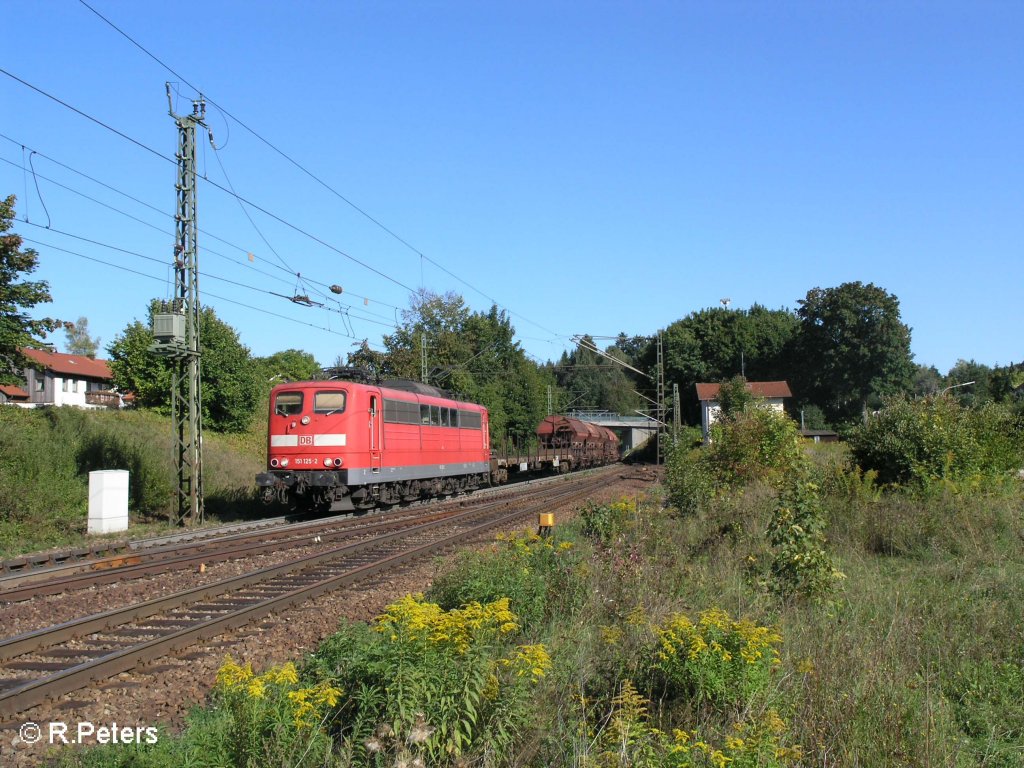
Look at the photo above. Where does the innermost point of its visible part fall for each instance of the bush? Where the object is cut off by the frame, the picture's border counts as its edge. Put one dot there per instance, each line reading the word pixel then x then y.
pixel 936 439
pixel 527 569
pixel 272 718
pixel 690 479
pixel 715 659
pixel 629 740
pixel 756 444
pixel 801 567
pixel 605 522
pixel 431 684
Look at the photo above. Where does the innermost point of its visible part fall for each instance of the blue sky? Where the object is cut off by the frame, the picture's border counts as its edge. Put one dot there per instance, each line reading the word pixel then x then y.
pixel 591 167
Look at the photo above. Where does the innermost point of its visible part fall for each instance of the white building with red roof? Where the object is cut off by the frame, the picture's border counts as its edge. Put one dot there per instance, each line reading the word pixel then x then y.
pixel 55 378
pixel 771 393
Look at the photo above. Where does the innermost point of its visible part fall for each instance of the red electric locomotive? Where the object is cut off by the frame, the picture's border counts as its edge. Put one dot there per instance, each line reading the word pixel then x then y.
pixel 341 445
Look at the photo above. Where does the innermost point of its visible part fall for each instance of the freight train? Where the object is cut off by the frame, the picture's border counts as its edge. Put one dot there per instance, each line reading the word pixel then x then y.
pixel 344 445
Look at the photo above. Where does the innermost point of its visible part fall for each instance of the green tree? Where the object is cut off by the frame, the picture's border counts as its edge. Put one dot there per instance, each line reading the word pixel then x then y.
pixel 1007 382
pixel 716 344
pixel 371 360
pixel 853 348
pixel 596 381
pixel 474 355
pixel 136 369
pixel 734 396
pixel 79 342
pixel 18 329
pixel 927 380
pixel 231 385
pixel 976 378
pixel 289 365
pixel 439 321
pixel 231 379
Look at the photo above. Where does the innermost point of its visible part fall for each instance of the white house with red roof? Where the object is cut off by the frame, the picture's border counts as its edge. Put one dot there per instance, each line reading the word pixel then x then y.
pixel 771 393
pixel 55 378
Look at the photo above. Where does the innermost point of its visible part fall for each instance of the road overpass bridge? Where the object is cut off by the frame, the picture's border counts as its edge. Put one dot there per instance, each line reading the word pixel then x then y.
pixel 632 431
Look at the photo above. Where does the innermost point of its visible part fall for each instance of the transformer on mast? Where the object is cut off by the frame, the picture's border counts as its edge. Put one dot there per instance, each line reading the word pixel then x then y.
pixel 176 325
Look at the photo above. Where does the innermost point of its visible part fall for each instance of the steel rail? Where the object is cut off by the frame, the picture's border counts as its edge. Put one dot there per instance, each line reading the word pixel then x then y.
pixel 18 645
pixel 17 699
pixel 38 584
pixel 36 569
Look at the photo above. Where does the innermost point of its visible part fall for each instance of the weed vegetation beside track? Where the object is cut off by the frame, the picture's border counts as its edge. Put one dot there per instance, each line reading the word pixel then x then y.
pixel 46 456
pixel 774 606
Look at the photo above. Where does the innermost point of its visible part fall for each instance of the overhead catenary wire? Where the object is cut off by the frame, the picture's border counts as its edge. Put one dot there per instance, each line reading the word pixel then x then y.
pixel 221 187
pixel 212 295
pixel 206 233
pixel 204 274
pixel 313 176
pixel 263 210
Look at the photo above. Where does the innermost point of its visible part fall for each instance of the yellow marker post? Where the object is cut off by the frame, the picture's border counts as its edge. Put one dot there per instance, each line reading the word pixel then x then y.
pixel 545 522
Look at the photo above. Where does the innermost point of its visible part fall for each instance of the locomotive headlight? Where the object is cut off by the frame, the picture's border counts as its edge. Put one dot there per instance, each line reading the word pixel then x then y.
pixel 284 462
pixel 305 420
pixel 328 462
pixel 337 462
pixel 274 462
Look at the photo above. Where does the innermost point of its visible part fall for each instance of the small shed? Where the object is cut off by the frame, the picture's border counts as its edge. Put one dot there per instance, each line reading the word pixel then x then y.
pixel 12 394
pixel 820 435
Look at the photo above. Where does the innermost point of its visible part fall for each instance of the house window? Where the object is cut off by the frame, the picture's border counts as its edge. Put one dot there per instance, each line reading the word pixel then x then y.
pixel 64 385
pixel 40 384
pixel 74 385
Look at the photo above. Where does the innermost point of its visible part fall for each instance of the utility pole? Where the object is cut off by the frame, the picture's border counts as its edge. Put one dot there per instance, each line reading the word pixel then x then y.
pixel 676 416
pixel 176 328
pixel 423 356
pixel 661 411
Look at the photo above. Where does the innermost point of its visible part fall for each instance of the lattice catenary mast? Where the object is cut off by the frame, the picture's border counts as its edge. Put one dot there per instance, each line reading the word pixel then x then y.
pixel 176 327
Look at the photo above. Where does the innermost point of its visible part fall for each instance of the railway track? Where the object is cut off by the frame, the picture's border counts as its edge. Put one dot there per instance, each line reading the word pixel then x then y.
pixel 156 556
pixel 54 661
pixel 24 578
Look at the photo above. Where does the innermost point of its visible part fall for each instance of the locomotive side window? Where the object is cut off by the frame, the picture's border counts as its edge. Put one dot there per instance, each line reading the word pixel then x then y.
pixel 401 412
pixel 329 402
pixel 446 419
pixel 425 415
pixel 288 403
pixel 469 420
pixel 435 415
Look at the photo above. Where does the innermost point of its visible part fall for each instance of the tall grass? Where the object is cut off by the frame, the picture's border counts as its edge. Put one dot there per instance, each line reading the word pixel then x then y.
pixel 46 456
pixel 666 650
pixel 711 631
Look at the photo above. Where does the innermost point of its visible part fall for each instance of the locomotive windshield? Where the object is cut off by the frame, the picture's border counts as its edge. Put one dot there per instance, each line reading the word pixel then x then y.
pixel 288 403
pixel 329 402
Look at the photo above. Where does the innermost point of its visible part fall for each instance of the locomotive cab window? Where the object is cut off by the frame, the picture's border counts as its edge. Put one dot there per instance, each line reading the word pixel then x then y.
pixel 288 403
pixel 329 402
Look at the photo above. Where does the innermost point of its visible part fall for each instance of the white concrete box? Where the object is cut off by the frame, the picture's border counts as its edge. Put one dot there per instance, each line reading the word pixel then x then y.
pixel 108 501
